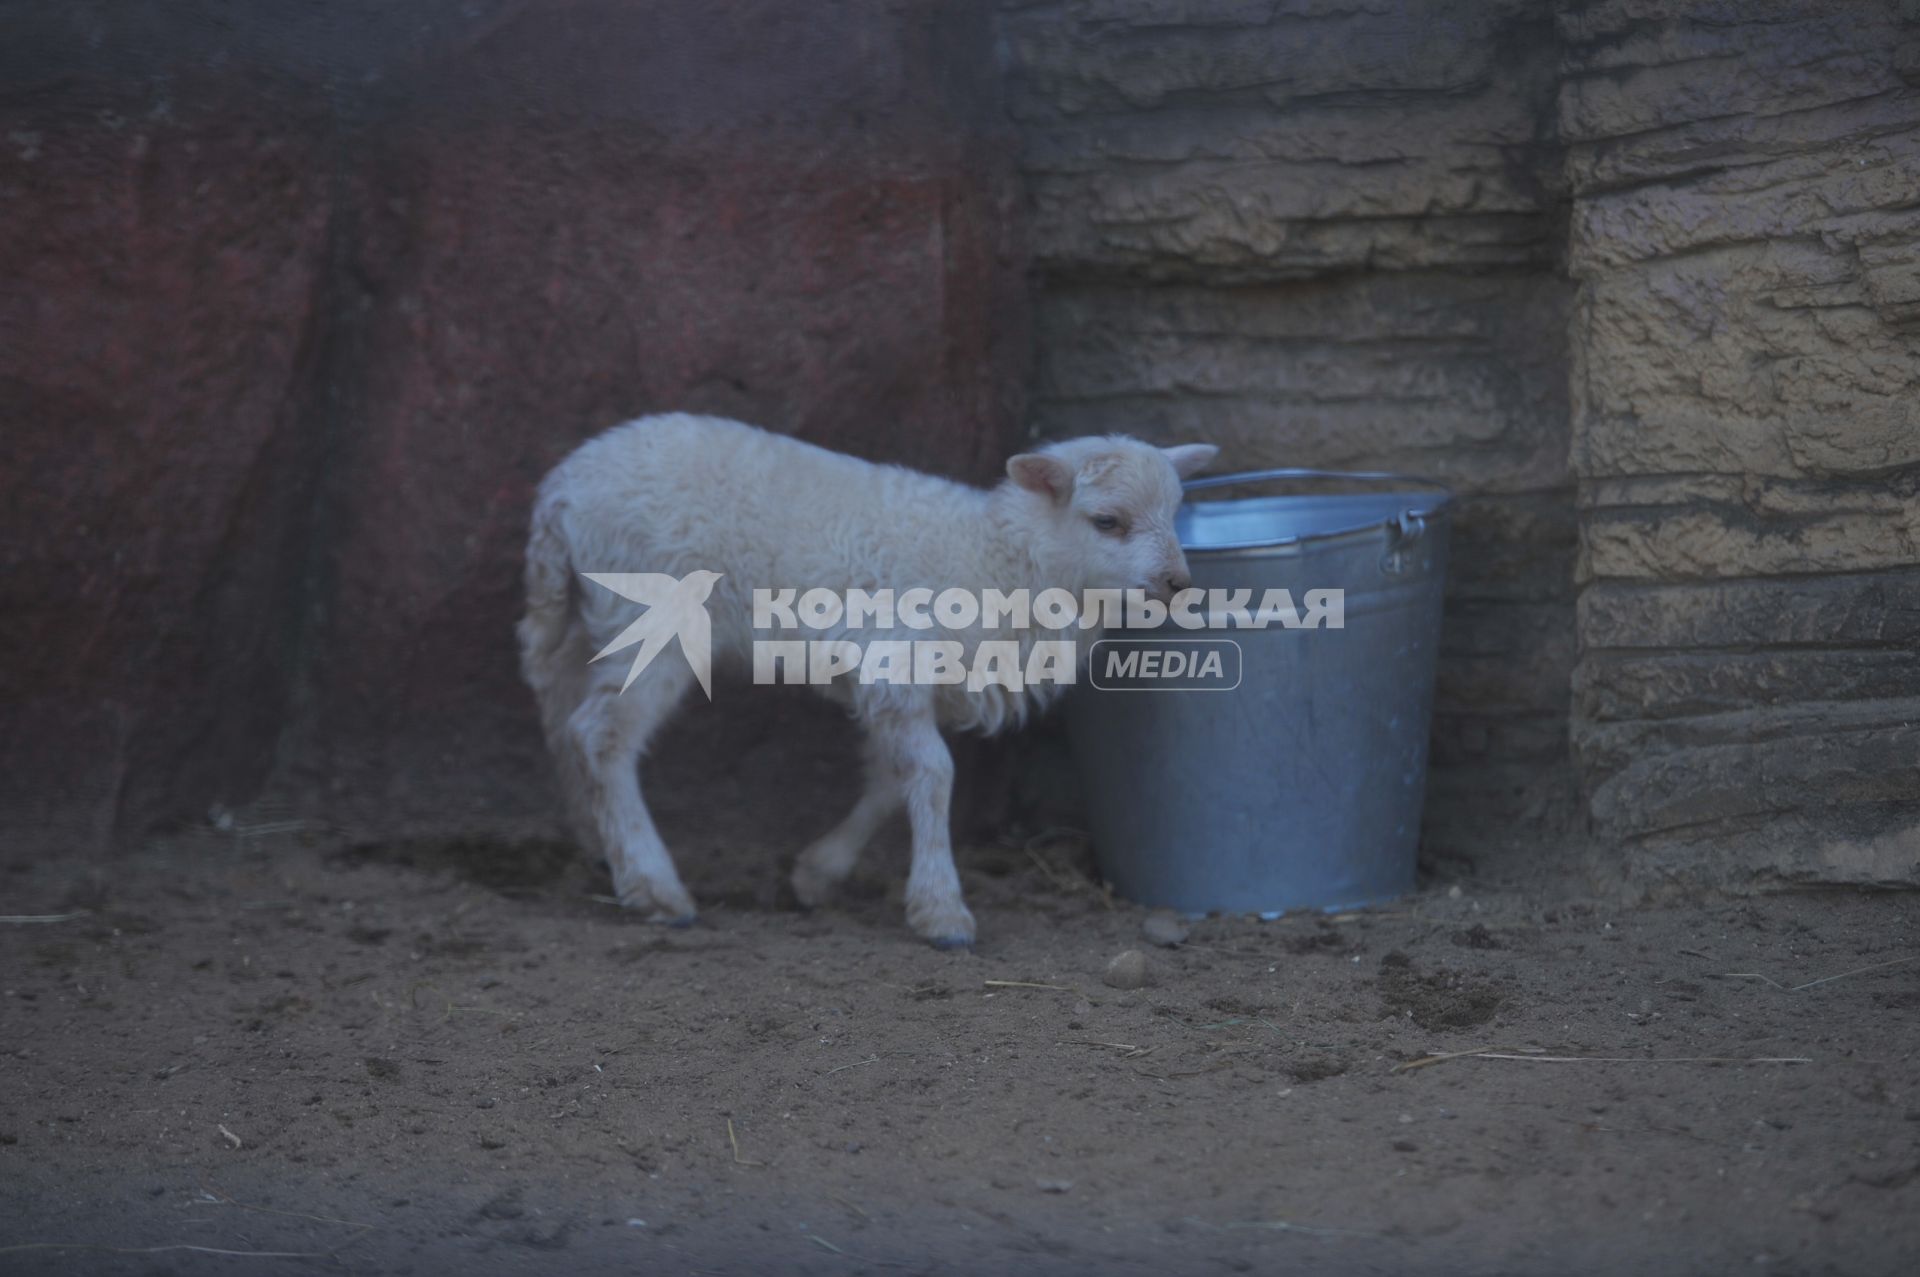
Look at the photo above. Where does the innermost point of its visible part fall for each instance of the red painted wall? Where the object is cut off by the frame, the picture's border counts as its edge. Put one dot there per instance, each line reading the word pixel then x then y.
pixel 301 305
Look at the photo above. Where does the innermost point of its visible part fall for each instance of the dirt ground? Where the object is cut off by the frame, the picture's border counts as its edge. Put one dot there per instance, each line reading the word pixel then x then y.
pixel 428 1058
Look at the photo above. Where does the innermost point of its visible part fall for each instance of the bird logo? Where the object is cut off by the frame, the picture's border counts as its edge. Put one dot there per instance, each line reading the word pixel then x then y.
pixel 675 608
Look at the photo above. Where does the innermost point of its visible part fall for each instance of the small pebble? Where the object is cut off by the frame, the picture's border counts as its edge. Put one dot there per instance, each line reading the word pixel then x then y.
pixel 1165 928
pixel 1127 971
pixel 1053 1185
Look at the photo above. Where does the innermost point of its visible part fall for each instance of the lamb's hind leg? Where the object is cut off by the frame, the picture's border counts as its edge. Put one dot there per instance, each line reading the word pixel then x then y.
pixel 825 864
pixel 605 738
pixel 910 746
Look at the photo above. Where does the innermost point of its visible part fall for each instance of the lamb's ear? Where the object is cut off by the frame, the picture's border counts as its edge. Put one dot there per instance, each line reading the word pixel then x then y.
pixel 1190 459
pixel 1037 472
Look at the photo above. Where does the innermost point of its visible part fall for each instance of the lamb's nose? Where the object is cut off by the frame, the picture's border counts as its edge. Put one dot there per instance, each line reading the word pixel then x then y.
pixel 1177 581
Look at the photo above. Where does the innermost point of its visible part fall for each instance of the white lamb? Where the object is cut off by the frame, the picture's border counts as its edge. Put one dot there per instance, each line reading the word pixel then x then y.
pixel 682 495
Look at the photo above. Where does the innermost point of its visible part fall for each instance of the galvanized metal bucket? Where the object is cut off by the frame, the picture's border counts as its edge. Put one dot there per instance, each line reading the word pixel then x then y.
pixel 1301 786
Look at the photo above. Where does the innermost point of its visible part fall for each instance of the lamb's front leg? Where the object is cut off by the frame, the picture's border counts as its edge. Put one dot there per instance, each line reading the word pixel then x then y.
pixel 912 750
pixel 825 864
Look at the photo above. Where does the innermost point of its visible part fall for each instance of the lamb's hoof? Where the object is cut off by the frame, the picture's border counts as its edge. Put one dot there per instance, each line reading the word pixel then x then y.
pixel 668 907
pixel 945 926
pixel 813 890
pixel 815 882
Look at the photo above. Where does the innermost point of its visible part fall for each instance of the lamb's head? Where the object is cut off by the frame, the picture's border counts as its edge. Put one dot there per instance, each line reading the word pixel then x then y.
pixel 1097 513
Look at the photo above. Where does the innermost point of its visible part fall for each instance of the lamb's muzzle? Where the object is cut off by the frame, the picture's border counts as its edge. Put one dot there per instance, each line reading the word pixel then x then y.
pixel 681 494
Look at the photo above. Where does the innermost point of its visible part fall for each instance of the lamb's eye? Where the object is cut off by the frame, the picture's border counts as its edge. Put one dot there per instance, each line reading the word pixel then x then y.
pixel 1105 522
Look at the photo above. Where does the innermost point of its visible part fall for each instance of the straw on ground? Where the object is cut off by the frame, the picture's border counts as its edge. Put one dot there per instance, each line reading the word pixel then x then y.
pixel 1826 979
pixel 734 1140
pixel 160 1250
pixel 1534 1057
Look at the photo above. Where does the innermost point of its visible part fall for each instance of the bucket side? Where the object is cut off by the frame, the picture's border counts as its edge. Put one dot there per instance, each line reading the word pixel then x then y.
pixel 1303 786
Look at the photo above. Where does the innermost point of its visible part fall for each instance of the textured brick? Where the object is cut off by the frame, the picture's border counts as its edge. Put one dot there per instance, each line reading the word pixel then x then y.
pixel 1746 435
pixel 1250 144
pixel 1880 608
pixel 1244 238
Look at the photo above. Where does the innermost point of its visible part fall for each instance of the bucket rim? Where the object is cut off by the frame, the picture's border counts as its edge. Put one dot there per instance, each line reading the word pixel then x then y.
pixel 1409 522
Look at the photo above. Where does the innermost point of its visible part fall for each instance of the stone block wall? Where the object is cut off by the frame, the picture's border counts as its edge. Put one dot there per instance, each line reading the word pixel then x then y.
pixel 1638 277
pixel 1745 182
pixel 1328 234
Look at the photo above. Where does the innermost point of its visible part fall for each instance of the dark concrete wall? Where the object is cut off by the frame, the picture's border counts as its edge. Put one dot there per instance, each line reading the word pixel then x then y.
pixel 302 300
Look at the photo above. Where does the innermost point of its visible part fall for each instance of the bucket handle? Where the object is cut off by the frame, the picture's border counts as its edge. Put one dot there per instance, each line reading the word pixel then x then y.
pixel 1402 531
